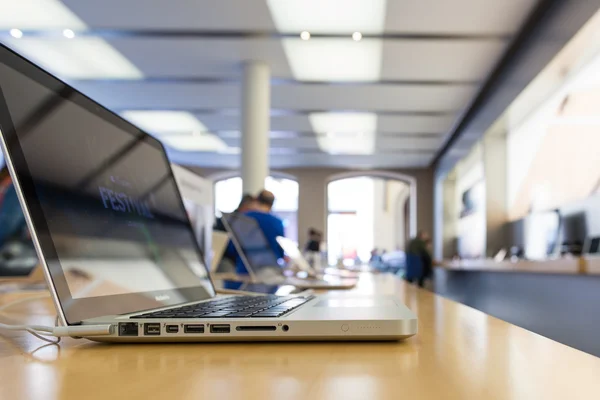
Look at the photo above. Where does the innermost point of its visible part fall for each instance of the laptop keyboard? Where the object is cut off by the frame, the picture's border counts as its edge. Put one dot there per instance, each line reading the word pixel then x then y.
pixel 234 307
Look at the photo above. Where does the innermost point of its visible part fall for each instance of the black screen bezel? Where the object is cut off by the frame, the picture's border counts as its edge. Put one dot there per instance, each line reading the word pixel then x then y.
pixel 76 310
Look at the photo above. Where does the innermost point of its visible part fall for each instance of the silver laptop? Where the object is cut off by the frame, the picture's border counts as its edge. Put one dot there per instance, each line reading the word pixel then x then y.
pixel 113 237
pixel 262 263
pixel 219 242
pixel 291 250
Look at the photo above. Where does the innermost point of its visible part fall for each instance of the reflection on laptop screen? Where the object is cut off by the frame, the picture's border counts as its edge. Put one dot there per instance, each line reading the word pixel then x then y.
pixel 252 240
pixel 108 196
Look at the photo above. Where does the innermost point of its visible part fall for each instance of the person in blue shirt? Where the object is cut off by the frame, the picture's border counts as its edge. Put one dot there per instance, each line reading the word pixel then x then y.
pixel 271 225
pixel 12 220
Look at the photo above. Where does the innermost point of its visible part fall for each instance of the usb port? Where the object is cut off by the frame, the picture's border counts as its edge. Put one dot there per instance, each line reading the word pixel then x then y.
pixel 151 329
pixel 220 328
pixel 193 328
pixel 172 328
pixel 128 329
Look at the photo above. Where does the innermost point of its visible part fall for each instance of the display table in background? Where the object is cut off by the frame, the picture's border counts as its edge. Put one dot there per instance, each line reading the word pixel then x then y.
pixel 564 265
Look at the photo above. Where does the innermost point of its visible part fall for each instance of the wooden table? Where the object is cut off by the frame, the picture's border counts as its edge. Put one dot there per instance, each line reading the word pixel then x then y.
pixel 459 353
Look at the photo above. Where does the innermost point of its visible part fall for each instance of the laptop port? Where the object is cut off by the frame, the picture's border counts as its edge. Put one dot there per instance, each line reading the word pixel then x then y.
pixel 220 328
pixel 172 329
pixel 193 328
pixel 256 328
pixel 128 329
pixel 151 329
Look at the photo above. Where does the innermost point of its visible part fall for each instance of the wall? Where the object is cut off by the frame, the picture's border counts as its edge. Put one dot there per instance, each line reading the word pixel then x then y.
pixel 388 214
pixel 312 203
pixel 470 227
pixel 496 199
pixel 449 227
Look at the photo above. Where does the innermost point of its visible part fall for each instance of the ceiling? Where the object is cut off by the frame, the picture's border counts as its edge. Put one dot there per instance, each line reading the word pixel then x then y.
pixel 433 56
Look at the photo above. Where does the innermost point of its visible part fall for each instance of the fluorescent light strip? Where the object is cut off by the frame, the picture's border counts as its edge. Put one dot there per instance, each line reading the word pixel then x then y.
pixel 334 60
pixel 77 58
pixel 323 59
pixel 180 130
pixel 345 133
pixel 38 14
pixel 204 142
pixel 349 144
pixel 328 16
pixel 342 60
pixel 64 55
pixel 162 122
pixel 343 122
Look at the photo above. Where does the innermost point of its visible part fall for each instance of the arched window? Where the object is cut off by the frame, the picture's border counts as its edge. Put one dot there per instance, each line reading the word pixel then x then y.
pixel 228 193
pixel 367 213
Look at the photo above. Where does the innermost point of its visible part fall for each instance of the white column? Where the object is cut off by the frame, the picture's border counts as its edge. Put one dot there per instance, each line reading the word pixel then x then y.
pixel 496 189
pixel 256 104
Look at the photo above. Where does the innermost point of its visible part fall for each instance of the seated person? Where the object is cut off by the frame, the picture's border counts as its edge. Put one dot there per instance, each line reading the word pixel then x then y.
pixel 246 204
pixel 229 259
pixel 17 254
pixel 271 225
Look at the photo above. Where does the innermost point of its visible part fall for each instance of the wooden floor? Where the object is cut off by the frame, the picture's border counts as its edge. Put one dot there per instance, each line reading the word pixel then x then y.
pixel 459 353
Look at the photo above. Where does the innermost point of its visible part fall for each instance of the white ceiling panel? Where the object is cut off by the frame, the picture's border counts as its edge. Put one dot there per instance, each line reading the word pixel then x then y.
pixel 408 143
pixel 415 124
pixel 299 123
pixel 174 14
pixel 467 60
pixel 414 117
pixel 134 95
pixel 386 143
pixel 376 97
pixel 464 60
pixel 312 159
pixel 212 58
pixel 457 16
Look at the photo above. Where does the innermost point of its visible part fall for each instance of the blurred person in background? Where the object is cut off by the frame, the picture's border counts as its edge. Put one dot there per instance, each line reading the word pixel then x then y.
pixel 12 220
pixel 271 225
pixel 229 259
pixel 17 255
pixel 312 249
pixel 246 204
pixel 418 259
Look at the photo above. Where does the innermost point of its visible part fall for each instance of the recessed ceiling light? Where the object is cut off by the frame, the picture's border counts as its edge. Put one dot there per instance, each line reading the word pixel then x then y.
pixel 164 122
pixel 16 33
pixel 305 35
pixel 68 33
pixel 84 58
pixel 356 36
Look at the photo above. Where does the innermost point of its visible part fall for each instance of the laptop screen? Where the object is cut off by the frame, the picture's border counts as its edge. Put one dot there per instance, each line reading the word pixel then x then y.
pixel 101 195
pixel 251 241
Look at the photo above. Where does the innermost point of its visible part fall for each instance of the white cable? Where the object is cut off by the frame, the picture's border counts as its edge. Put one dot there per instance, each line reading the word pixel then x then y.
pixel 42 332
